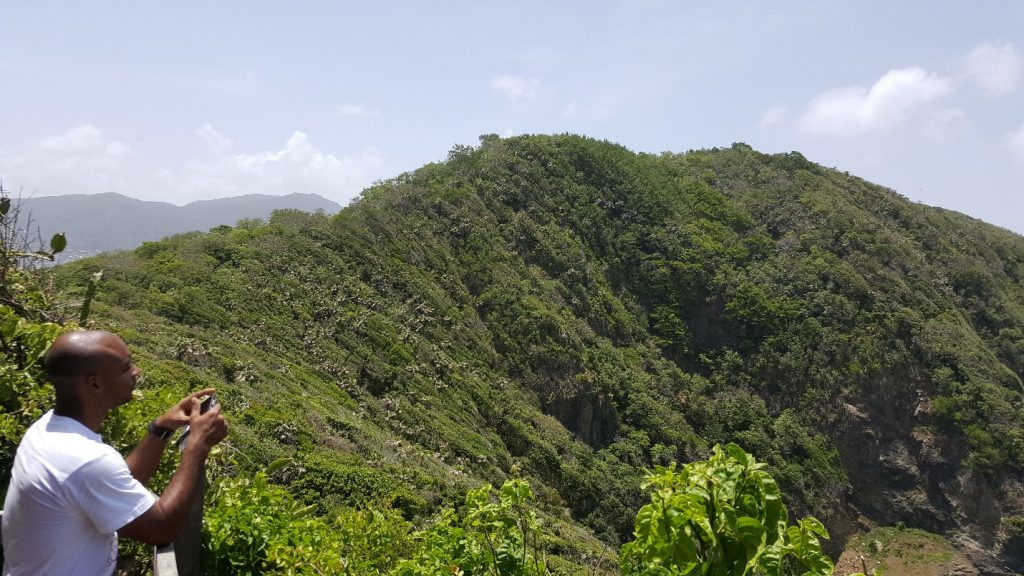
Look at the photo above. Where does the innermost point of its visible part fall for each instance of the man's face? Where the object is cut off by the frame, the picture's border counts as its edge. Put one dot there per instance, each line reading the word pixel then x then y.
pixel 117 374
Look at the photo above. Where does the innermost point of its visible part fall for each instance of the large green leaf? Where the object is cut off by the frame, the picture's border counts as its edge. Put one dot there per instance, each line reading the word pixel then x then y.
pixel 58 243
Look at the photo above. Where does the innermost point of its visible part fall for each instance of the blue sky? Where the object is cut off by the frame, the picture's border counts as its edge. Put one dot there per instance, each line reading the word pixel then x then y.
pixel 191 100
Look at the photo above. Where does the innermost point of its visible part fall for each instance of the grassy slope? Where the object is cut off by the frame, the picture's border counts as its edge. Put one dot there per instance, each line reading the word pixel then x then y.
pixel 568 310
pixel 901 552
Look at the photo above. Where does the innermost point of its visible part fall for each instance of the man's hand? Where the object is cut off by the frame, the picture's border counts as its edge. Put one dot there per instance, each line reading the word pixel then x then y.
pixel 180 413
pixel 145 458
pixel 164 520
pixel 205 430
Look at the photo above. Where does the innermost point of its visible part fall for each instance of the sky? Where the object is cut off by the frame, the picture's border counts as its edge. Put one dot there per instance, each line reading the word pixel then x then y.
pixel 189 100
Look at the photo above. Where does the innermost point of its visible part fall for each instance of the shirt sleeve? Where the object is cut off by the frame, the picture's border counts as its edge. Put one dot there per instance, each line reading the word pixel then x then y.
pixel 107 493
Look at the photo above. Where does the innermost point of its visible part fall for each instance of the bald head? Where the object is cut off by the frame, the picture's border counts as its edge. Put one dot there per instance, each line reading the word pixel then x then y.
pixel 80 354
pixel 92 373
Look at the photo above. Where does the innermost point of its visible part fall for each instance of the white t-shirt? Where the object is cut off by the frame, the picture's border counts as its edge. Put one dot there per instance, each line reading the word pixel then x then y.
pixel 69 494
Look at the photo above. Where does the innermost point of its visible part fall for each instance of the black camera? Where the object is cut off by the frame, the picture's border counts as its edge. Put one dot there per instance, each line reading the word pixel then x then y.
pixel 209 402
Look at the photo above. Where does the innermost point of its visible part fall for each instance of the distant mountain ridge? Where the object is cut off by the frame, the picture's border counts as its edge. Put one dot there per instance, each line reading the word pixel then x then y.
pixel 97 223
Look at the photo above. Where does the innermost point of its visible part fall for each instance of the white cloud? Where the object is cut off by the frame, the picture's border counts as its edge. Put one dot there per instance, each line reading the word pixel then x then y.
pixel 995 68
pixel 216 143
pixel 773 115
pixel 80 159
pixel 1015 140
pixel 83 160
pixel 570 109
pixel 888 103
pixel 82 138
pixel 517 87
pixel 298 167
pixel 357 110
pixel 943 124
pixel 508 133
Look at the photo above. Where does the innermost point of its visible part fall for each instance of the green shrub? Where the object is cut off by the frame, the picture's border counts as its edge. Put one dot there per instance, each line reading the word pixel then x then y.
pixel 23 396
pixel 253 527
pixel 723 515
pixel 492 536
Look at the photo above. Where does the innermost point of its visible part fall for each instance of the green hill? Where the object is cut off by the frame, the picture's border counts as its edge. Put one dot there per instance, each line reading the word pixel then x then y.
pixel 569 311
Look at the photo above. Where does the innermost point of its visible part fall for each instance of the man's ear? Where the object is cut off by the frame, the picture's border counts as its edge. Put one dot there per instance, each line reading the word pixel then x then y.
pixel 92 384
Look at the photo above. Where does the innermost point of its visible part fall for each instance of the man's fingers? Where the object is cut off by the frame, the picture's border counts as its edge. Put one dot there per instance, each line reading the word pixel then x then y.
pixel 212 412
pixel 187 401
pixel 203 392
pixel 209 428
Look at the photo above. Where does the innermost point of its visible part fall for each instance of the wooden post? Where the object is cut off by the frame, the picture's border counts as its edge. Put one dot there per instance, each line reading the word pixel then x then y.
pixel 164 563
pixel 189 542
pixel 181 558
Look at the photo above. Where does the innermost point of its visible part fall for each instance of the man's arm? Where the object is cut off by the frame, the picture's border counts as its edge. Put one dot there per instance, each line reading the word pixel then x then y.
pixel 164 520
pixel 145 457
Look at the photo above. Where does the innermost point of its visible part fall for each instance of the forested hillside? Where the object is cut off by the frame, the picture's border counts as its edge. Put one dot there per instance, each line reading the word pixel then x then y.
pixel 567 311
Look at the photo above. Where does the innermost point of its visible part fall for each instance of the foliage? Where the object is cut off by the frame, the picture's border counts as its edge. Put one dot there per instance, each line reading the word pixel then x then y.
pixel 29 323
pixel 23 398
pixel 490 537
pixel 23 286
pixel 32 316
pixel 1014 525
pixel 255 527
pixel 720 516
pixel 567 310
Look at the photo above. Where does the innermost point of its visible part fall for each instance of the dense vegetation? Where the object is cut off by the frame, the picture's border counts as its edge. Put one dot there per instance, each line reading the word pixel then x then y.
pixel 566 311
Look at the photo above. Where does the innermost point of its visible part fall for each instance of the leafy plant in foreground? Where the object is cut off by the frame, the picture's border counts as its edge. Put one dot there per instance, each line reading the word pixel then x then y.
pixel 493 536
pixel 722 516
pixel 255 527
pixel 29 323
pixel 22 399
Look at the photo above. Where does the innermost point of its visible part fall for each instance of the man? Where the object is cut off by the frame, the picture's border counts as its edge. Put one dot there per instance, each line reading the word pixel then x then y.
pixel 71 495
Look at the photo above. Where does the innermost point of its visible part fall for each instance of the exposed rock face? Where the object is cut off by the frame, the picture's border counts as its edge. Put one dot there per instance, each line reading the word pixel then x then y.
pixel 900 471
pixel 590 416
